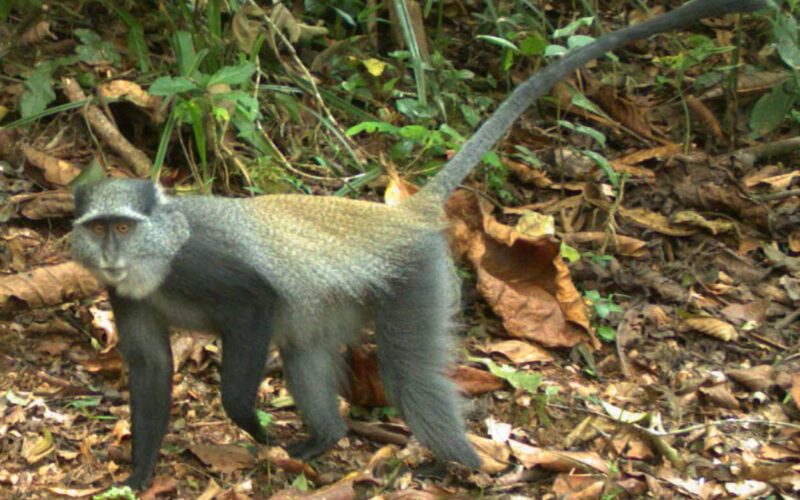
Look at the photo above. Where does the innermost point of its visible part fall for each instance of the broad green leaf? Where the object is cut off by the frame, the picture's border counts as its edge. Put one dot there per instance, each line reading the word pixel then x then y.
pixel 577 41
pixel 786 39
pixel 570 254
pixel 555 50
pixel 770 110
pixel 583 129
pixel 372 127
pixel 167 86
pixel 572 27
pixel 233 75
pixel 533 45
pixel 38 92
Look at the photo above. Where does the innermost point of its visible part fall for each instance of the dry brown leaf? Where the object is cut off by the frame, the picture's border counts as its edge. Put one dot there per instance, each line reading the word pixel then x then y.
pixel 752 312
pixel 528 174
pixel 45 205
pixel 721 395
pixel 558 461
pixel 520 352
pixel 225 458
pixel 756 378
pixel 660 152
pixel 777 182
pixel 621 245
pixel 712 326
pixel 161 485
pixel 281 459
pixel 56 171
pixel 706 116
pixel 494 456
pixel 132 92
pixel 692 218
pixel 795 390
pixel 36 33
pixel 36 447
pixel 631 114
pixel 578 487
pixel 654 221
pixel 523 279
pixel 397 189
pixel 47 286
pixel 366 388
pixel 475 382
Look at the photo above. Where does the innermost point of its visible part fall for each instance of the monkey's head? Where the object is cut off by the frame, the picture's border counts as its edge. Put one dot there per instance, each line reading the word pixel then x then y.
pixel 126 233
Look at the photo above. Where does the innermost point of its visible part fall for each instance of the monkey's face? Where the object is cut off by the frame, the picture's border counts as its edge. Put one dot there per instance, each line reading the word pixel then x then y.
pixel 126 234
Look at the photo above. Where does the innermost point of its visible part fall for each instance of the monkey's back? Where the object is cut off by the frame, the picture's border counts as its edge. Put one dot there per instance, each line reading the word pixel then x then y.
pixel 315 249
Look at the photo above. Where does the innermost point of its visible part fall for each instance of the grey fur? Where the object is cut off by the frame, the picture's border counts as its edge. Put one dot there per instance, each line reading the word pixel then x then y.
pixel 306 273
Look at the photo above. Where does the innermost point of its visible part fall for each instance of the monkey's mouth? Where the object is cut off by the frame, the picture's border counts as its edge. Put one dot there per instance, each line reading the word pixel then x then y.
pixel 113 275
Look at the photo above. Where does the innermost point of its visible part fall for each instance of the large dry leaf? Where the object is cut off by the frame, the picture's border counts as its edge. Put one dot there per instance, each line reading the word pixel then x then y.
pixel 713 327
pixel 494 456
pixel 224 458
pixel 520 352
pixel 522 277
pixel 47 286
pixel 56 171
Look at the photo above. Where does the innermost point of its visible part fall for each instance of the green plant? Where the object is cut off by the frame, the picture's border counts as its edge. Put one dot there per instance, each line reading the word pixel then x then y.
pixel 602 307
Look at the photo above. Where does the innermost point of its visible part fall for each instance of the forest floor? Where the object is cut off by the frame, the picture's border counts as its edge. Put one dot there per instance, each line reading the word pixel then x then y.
pixel 630 265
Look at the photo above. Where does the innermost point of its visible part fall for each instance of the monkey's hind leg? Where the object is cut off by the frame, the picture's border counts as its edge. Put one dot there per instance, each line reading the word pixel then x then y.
pixel 412 326
pixel 245 343
pixel 313 375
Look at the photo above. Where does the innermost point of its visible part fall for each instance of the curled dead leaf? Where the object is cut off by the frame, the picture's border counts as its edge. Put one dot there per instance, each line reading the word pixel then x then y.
pixel 711 326
pixel 494 456
pixel 520 352
pixel 720 395
pixel 756 378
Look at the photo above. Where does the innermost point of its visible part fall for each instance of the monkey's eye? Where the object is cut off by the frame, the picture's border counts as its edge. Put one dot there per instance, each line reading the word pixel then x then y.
pixel 97 228
pixel 123 227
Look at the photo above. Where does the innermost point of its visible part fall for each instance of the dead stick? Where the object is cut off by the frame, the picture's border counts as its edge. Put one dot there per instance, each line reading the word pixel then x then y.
pixel 139 161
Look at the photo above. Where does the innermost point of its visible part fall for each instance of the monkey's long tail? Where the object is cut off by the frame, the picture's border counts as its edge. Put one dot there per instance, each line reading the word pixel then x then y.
pixel 493 129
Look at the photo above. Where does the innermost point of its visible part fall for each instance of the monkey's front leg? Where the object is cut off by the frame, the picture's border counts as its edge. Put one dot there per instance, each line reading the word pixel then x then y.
pixel 144 343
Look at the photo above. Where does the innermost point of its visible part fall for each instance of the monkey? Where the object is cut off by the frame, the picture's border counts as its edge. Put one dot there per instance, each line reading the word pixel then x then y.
pixel 305 273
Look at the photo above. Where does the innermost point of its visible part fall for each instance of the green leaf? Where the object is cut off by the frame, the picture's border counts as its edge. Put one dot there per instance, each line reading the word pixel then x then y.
pixel 167 86
pixel 785 34
pixel 570 254
pixel 555 50
pixel 572 27
pixel 416 133
pixel 496 40
pixel 233 75
pixel 371 128
pixel 606 333
pixel 585 130
pixel 577 41
pixel 184 50
pixel 116 493
pixel 264 419
pixel 300 482
pixel 90 174
pixel 517 378
pixel 38 91
pixel 137 45
pixel 533 45
pixel 770 110
pixel 93 49
pixel 605 166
